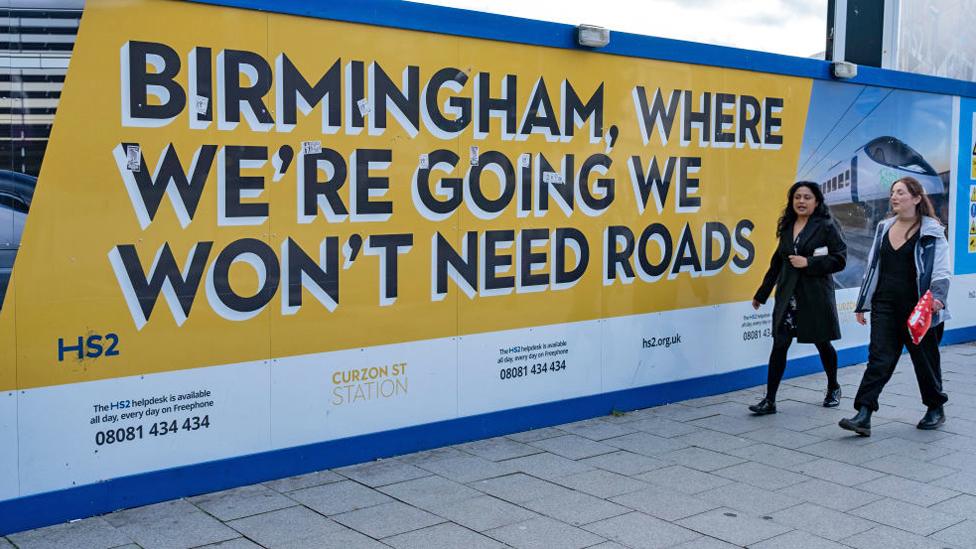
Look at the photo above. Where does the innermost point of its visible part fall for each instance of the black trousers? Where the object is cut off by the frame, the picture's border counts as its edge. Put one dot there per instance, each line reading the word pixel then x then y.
pixel 889 335
pixel 777 362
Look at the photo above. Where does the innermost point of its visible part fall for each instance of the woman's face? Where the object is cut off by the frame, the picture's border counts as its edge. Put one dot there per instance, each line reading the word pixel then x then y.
pixel 902 201
pixel 804 202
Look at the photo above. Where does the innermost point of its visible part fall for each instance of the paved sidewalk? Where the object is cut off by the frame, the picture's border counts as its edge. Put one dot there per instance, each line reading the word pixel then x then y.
pixel 701 473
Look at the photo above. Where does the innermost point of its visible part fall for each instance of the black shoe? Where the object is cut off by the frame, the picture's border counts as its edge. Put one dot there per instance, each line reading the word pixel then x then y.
pixel 832 400
pixel 860 424
pixel 932 419
pixel 764 407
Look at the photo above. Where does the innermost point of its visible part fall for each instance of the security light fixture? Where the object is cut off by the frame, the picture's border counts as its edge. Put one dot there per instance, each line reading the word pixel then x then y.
pixel 843 70
pixel 592 36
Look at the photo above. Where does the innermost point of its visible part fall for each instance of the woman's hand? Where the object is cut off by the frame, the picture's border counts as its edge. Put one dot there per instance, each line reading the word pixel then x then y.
pixel 937 305
pixel 799 261
pixel 756 304
pixel 860 318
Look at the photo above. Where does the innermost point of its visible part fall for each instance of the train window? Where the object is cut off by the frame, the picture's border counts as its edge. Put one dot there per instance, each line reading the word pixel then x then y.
pixel 893 152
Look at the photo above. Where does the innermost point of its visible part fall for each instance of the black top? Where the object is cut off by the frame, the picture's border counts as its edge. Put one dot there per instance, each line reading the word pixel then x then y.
pixel 897 278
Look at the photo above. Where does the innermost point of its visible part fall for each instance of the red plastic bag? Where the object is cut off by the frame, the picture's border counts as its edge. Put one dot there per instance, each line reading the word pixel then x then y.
pixel 921 318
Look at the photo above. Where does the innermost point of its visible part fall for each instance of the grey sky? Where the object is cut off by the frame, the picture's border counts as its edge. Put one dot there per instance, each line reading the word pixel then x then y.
pixel 791 27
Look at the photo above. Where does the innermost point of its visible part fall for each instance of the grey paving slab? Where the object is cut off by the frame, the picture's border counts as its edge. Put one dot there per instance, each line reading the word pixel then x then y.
pixel 343 538
pixel 962 534
pixel 962 506
pixel 911 448
pixel 241 502
pixel 573 447
pixel 469 468
pixel 277 528
pixel 713 440
pixel 683 479
pixel 829 494
pixel 387 519
pixel 886 537
pixel 730 425
pixel 749 499
pixel 173 524
pixel 483 513
pixel 734 527
pixel 576 508
pixel 797 540
pixel 728 408
pixel 338 497
pixel 706 400
pixel 435 454
pixel 664 504
pixel 544 533
pixel 519 488
pixel 963 482
pixel 705 542
pixel 796 417
pixel 664 427
pixel 905 516
pixel 821 521
pixel 761 475
pixel 94 532
pixel 598 429
pixel 547 466
pixel 309 480
pixel 236 543
pixel 701 459
pixel 962 461
pixel 910 491
pixel 428 492
pixel 625 463
pixel 784 438
pixel 906 431
pixel 783 458
pixel 499 448
pixel 607 545
pixel 963 443
pixel 537 434
pixel 646 444
pixel 851 449
pixel 837 471
pixel 442 536
pixel 600 483
pixel 641 531
pixel 680 412
pixel 910 468
pixel 382 472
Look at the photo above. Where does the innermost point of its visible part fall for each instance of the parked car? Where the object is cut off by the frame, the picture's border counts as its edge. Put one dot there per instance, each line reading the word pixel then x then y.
pixel 16 193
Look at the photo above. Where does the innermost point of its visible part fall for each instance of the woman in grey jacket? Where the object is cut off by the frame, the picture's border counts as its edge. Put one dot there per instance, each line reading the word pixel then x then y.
pixel 909 255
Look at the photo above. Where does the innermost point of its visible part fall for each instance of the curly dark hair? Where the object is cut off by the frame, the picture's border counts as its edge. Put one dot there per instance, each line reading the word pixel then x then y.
pixel 789 214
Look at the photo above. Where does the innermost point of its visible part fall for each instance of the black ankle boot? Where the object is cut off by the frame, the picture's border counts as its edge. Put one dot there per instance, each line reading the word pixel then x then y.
pixel 860 424
pixel 832 400
pixel 765 406
pixel 932 419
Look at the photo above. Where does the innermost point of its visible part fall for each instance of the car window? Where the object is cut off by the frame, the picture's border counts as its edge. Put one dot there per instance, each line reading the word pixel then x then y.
pixel 13 202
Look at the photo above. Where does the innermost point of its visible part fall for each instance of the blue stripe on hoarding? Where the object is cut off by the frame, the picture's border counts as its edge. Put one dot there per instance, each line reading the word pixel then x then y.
pixel 475 24
pixel 132 491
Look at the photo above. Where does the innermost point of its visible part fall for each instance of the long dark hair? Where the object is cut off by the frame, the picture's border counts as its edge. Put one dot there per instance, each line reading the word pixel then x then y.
pixel 789 214
pixel 924 206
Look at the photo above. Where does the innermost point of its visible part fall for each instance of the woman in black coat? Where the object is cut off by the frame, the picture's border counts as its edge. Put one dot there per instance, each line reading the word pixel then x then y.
pixel 810 249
